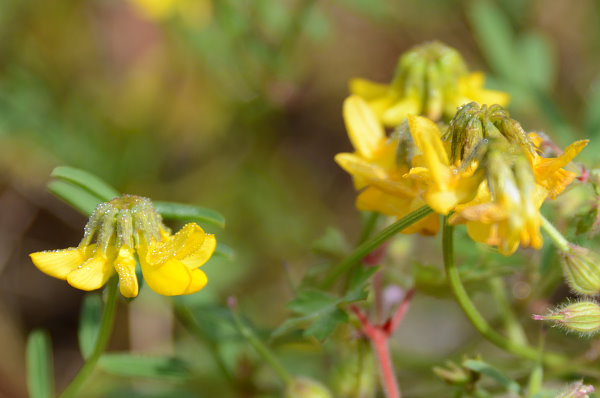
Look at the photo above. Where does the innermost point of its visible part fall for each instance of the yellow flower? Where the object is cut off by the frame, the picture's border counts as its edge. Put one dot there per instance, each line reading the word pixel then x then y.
pixel 194 12
pixel 431 80
pixel 446 184
pixel 376 169
pixel 506 213
pixel 123 227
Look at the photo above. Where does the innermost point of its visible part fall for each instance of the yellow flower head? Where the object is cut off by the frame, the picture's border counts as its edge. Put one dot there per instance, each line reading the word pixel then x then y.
pixel 193 12
pixel 431 80
pixel 123 227
pixel 505 212
pixel 446 184
pixel 378 165
pixel 490 173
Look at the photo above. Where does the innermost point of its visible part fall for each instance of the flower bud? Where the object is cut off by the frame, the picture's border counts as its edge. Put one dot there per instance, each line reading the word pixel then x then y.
pixel 582 317
pixel 473 123
pixel 581 268
pixel 428 74
pixel 577 390
pixel 303 387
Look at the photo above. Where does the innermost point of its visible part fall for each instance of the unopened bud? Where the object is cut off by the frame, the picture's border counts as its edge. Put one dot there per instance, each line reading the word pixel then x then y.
pixel 581 267
pixel 577 390
pixel 303 387
pixel 582 317
pixel 427 74
pixel 473 123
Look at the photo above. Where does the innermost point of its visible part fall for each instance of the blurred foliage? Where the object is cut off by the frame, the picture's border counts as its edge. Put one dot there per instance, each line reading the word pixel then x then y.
pixel 236 106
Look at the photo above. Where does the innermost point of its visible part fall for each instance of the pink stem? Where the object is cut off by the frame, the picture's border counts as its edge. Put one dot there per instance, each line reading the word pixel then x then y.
pixel 388 376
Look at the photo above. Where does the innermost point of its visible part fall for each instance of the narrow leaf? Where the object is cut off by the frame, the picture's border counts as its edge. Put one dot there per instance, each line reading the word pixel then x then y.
pixel 75 196
pixel 40 371
pixel 87 181
pixel 154 367
pixel 89 324
pixel 179 211
pixel 310 301
pixel 224 251
pixel 325 324
pixel 494 373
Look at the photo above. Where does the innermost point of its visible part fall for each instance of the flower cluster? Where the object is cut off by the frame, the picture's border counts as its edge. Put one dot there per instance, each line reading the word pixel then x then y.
pixel 482 170
pixel 124 230
pixel 431 80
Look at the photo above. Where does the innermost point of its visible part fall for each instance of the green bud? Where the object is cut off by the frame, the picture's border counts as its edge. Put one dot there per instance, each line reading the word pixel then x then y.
pixel 127 220
pixel 582 317
pixel 428 74
pixel 577 390
pixel 474 123
pixel 303 387
pixel 581 267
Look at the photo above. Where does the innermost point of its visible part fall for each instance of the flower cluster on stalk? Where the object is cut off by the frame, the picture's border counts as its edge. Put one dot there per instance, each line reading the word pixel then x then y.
pixel 482 169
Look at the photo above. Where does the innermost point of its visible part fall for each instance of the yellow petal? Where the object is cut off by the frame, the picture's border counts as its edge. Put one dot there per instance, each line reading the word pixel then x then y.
pixel 184 243
pixel 201 256
pixel 173 278
pixel 396 113
pixel 368 173
pixel 476 92
pixel 92 274
pixel 374 199
pixel 549 173
pixel 367 89
pixel 427 138
pixel 125 266
pixel 58 263
pixel 364 130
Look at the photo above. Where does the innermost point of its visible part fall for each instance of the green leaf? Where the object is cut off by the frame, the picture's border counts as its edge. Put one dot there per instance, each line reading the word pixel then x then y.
pixel 40 371
pixel 535 54
pixel 320 312
pixel 89 324
pixel 87 181
pixel 154 367
pixel 494 373
pixel 311 300
pixel 75 196
pixel 359 279
pixel 494 35
pixel 325 324
pixel 224 251
pixel 183 212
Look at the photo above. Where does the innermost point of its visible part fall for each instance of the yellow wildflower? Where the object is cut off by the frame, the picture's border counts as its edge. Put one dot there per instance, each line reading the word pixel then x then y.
pixel 378 165
pixel 431 80
pixel 503 209
pixel 193 12
pixel 446 184
pixel 123 227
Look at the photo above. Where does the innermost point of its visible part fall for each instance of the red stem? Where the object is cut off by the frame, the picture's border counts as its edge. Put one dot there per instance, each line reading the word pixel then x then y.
pixel 388 376
pixel 379 336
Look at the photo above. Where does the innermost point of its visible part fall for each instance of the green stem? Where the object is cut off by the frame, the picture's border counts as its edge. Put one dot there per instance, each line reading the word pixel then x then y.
pixel 262 350
pixel 559 240
pixel 368 226
pixel 368 246
pixel 106 325
pixel 473 314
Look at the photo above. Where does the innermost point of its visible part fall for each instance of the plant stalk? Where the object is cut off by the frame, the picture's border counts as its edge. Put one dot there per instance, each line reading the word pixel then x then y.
pixel 106 325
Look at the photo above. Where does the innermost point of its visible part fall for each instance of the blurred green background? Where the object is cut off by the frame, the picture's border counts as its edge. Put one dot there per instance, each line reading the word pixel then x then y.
pixel 236 105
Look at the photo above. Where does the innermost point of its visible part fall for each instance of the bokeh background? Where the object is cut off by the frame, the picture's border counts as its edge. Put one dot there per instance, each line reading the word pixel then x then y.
pixel 236 105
